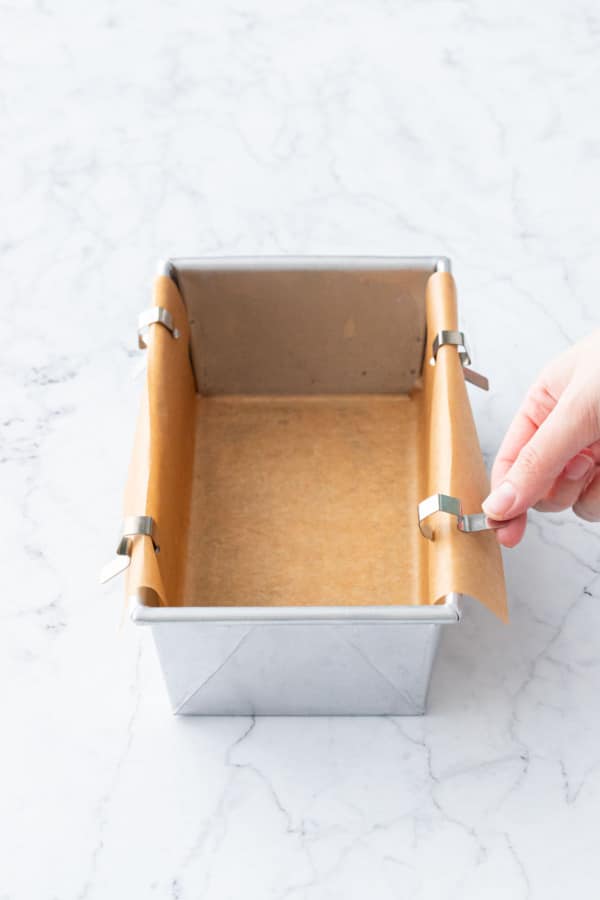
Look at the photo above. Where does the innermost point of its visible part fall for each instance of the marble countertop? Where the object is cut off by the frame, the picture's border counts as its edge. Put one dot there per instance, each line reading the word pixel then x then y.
pixel 137 131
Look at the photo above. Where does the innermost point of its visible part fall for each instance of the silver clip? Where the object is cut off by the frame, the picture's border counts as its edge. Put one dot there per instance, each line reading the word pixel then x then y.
pixel 156 315
pixel 132 526
pixel 457 339
pixel 453 506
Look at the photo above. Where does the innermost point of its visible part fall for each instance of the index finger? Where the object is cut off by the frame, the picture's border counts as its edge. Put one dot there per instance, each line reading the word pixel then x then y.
pixel 535 409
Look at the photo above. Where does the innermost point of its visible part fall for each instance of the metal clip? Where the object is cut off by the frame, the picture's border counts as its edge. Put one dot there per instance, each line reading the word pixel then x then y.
pixel 157 315
pixel 457 339
pixel 453 506
pixel 132 526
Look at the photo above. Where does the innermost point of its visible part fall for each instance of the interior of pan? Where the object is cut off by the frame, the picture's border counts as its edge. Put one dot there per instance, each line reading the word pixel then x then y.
pixel 308 459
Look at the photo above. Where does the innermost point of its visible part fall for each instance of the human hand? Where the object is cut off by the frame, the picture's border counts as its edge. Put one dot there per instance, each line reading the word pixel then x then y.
pixel 550 456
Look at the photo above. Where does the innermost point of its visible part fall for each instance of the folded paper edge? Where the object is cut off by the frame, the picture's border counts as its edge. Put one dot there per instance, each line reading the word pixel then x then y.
pixel 469 564
pixel 160 470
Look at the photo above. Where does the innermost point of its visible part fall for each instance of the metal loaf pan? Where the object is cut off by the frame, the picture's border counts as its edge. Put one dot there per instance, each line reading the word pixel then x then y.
pixel 249 338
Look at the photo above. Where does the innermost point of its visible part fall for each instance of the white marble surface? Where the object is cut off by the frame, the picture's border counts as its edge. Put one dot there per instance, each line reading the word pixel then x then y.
pixel 131 131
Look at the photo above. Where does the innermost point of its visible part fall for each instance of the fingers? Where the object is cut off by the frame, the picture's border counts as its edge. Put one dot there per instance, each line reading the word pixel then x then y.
pixel 588 505
pixel 568 487
pixel 538 405
pixel 577 487
pixel 550 457
pixel 511 533
pixel 565 493
pixel 564 431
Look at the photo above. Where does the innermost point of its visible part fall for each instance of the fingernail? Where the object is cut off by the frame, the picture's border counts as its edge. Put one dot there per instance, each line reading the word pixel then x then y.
pixel 500 502
pixel 578 467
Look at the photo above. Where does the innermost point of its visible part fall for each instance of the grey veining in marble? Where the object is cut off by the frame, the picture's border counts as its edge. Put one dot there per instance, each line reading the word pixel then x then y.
pixel 133 131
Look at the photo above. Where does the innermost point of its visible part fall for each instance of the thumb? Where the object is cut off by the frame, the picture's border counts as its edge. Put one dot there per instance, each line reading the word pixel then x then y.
pixel 561 436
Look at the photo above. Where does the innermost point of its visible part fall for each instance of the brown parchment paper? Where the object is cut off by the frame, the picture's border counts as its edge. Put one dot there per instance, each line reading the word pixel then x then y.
pixel 465 563
pixel 306 501
pixel 161 465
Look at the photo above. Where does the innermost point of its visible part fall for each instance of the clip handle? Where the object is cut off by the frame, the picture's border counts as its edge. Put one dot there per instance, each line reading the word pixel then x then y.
pixel 469 523
pixel 476 378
